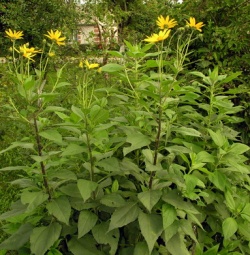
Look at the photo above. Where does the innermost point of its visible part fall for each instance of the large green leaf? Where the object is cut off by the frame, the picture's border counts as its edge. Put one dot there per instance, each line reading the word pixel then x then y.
pixel 111 68
pixel 73 149
pixel 86 222
pixel 18 239
pixel 102 236
pixel 98 114
pixel 137 141
pixel 86 188
pixel 124 215
pixel 83 246
pixel 187 131
pixel 151 228
pixel 141 248
pixel 217 137
pixel 177 246
pixel 33 199
pixel 60 208
pixel 239 148
pixel 149 198
pixel 52 135
pixel 113 200
pixel 43 238
pixel 229 227
pixel 71 190
pixel 168 215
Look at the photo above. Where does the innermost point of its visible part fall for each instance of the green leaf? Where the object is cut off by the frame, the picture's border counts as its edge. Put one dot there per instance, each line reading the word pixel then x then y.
pixel 77 111
pixel 13 168
pixel 151 228
pixel 124 215
pixel 85 245
pixel 229 78
pixel 137 141
pixel 43 238
pixel 60 208
pixel 187 131
pixel 71 190
pixel 86 222
pixel 86 188
pixel 238 148
pixel 98 115
pixel 19 144
pixel 217 137
pixel 111 68
pixel 187 227
pixel 245 213
pixel 62 174
pixel 73 149
pixel 177 246
pixel 141 248
pixel 230 200
pixel 150 198
pixel 103 236
pixel 229 227
pixel 62 84
pixel 18 239
pixel 109 164
pixel 218 179
pixel 52 135
pixel 168 215
pixel 212 251
pixel 113 200
pixel 34 199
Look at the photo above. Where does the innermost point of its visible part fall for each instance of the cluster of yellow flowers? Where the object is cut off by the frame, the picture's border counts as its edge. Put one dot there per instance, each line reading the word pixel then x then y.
pixel 165 24
pixel 29 53
pixel 88 65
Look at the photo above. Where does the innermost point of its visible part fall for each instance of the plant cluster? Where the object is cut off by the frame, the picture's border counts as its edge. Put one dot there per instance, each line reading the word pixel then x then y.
pixel 149 164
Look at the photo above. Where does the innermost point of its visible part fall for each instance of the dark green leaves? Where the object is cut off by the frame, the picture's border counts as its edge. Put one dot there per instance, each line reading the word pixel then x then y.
pixel 43 238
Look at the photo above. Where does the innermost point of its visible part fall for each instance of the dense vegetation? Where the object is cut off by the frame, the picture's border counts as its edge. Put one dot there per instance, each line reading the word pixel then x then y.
pixel 147 154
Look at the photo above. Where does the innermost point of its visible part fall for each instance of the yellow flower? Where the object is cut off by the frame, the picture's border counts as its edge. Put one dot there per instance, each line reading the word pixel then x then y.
pixel 81 64
pixel 14 35
pixel 158 37
pixel 55 36
pixel 25 49
pixel 51 54
pixel 163 23
pixel 192 23
pixel 28 53
pixel 90 66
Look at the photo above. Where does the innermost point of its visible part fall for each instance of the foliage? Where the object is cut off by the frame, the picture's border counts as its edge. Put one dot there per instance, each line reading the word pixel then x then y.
pixel 149 164
pixel 35 18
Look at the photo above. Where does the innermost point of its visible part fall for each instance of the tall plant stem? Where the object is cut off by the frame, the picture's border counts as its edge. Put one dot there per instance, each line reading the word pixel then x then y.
pixel 157 143
pixel 91 158
pixel 158 135
pixel 40 148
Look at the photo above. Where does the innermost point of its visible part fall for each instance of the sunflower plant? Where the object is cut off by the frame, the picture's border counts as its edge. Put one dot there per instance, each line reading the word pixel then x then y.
pixel 148 163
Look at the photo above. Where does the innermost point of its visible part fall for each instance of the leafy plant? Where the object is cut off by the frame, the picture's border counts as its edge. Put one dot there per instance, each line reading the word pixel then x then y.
pixel 147 165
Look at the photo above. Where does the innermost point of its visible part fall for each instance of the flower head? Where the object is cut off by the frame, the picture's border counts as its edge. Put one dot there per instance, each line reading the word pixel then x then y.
pixel 158 37
pixel 81 64
pixel 55 36
pixel 14 35
pixel 91 66
pixel 192 23
pixel 51 54
pixel 27 52
pixel 163 23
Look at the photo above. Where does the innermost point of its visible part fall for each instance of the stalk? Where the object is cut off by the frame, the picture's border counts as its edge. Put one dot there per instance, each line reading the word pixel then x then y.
pixel 40 148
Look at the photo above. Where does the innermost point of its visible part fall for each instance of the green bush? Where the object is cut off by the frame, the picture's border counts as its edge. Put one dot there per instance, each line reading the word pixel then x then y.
pixel 148 163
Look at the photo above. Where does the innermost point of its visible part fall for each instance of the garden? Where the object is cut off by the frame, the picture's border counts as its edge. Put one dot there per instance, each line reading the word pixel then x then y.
pixel 141 151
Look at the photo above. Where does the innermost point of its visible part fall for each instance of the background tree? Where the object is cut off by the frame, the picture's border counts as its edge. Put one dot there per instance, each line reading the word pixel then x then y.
pixel 35 18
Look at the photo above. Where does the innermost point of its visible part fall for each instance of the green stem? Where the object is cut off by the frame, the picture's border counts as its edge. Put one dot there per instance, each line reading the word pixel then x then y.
pixel 42 165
